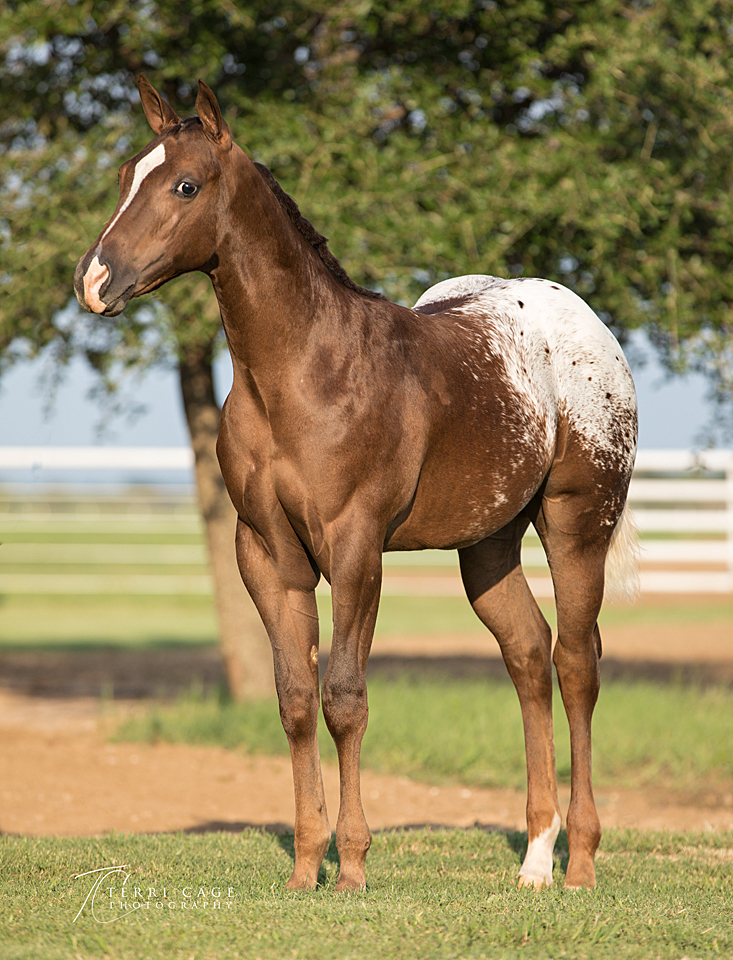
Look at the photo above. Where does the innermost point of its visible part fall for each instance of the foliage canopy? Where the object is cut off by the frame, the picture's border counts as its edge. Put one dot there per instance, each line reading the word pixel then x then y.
pixel 586 142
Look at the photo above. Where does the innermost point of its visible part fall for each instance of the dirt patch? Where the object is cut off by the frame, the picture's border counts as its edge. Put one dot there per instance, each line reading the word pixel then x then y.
pixel 62 777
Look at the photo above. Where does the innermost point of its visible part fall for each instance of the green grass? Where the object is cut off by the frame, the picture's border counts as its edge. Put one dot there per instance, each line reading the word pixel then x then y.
pixel 471 732
pixel 52 621
pixel 431 894
pixel 697 612
pixel 416 616
pixel 100 533
pixel 57 621
pixel 71 622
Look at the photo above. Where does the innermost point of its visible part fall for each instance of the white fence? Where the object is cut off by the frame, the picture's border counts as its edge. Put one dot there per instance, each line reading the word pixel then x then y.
pixel 682 503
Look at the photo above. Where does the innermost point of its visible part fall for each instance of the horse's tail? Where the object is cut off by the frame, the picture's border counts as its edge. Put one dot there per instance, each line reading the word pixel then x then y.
pixel 622 560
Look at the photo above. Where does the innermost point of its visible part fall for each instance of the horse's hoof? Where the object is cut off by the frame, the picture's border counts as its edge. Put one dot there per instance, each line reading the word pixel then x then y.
pixel 534 883
pixel 580 879
pixel 300 882
pixel 580 886
pixel 350 884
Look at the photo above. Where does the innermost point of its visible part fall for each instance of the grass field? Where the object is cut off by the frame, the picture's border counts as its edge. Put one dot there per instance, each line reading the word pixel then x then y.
pixel 432 894
pixel 101 620
pixel 471 732
pixel 84 622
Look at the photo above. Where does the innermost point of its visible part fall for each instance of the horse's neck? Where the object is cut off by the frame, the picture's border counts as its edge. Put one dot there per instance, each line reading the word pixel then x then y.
pixel 271 284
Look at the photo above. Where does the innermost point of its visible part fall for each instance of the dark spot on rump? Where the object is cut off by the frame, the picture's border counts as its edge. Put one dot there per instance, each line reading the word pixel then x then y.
pixel 555 286
pixel 520 304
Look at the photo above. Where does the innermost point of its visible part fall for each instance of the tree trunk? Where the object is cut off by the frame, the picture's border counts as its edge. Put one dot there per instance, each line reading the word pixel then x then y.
pixel 242 637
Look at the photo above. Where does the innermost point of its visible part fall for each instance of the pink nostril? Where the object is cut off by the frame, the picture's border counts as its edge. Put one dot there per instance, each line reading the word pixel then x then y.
pixel 95 277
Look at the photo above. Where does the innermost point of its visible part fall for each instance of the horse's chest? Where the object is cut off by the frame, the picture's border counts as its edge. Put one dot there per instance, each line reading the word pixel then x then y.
pixel 244 450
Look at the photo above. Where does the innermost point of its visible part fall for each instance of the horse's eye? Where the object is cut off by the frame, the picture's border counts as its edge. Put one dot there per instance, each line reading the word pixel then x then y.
pixel 187 190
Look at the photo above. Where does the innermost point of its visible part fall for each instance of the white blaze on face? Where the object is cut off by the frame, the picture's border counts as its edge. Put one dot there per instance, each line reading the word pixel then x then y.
pixel 97 273
pixel 145 166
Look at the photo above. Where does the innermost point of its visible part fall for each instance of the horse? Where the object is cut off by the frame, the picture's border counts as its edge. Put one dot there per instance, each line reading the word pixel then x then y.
pixel 356 426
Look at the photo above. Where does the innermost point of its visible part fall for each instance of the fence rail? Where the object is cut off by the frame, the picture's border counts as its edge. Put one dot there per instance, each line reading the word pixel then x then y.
pixel 143 540
pixel 683 506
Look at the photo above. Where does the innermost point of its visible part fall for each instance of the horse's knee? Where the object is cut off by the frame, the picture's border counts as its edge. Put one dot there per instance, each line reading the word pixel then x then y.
pixel 344 706
pixel 299 712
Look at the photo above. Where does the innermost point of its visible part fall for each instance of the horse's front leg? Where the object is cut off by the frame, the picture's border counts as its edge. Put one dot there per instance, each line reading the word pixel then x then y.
pixel 356 582
pixel 285 598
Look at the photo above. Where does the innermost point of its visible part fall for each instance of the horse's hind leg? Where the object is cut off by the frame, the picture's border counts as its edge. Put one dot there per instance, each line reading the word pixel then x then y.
pixel 499 594
pixel 575 529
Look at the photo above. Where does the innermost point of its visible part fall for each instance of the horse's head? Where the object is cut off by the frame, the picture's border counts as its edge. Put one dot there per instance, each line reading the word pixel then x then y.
pixel 171 198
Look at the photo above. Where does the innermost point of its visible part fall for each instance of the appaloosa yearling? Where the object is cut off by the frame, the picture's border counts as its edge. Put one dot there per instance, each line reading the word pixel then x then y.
pixel 356 426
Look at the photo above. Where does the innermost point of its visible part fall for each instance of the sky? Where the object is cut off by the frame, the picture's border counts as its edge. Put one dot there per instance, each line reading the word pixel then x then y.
pixel 672 412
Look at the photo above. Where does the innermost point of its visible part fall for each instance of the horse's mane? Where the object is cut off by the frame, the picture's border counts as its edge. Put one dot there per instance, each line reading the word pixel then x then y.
pixel 316 240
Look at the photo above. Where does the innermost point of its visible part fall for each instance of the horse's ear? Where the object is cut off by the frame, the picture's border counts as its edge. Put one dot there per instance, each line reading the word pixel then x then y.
pixel 215 127
pixel 160 115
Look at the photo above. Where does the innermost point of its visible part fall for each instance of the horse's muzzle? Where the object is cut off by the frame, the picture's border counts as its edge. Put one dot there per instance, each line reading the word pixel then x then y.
pixel 93 287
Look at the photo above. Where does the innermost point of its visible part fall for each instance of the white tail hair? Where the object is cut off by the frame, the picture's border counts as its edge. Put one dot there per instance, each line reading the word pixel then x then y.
pixel 622 561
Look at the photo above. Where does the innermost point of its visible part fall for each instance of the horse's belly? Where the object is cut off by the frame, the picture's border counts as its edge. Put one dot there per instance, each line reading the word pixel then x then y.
pixel 454 508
